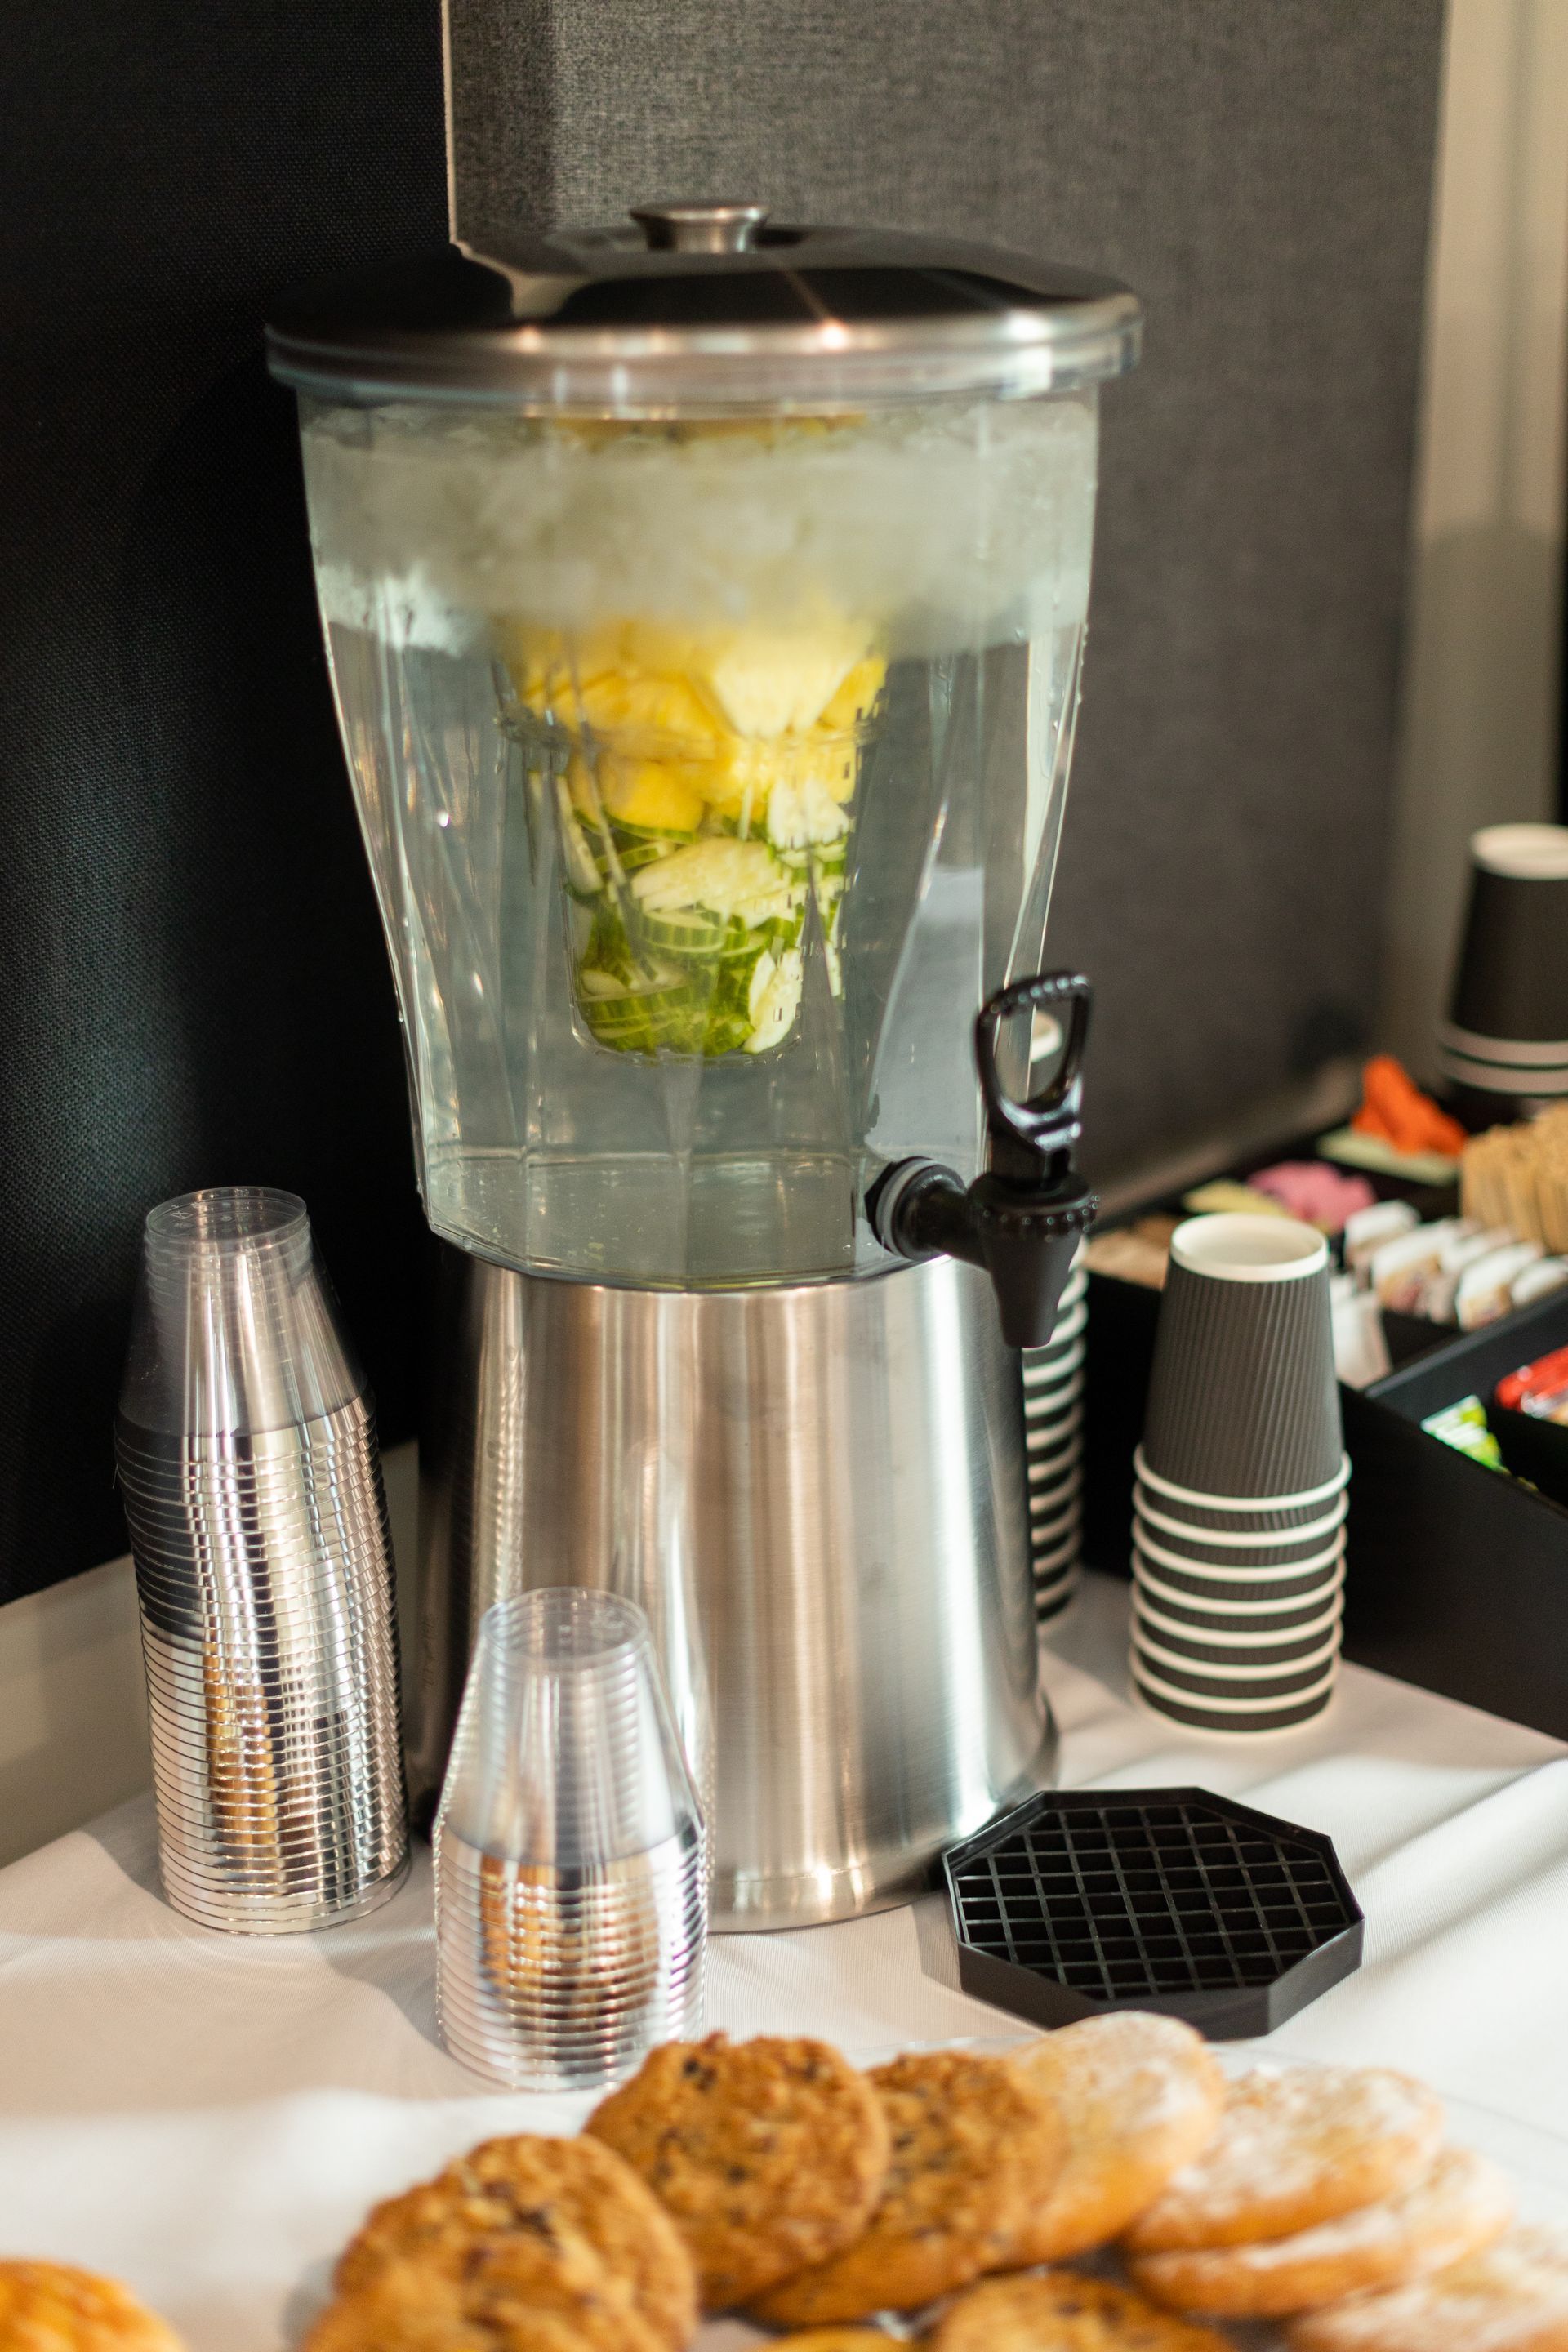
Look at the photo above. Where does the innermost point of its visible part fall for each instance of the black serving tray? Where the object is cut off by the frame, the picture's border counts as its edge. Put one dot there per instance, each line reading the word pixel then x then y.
pixel 1167 1899
pixel 1457 1577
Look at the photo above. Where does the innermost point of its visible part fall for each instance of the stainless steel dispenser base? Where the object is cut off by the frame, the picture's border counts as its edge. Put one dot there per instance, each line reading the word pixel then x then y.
pixel 818 1495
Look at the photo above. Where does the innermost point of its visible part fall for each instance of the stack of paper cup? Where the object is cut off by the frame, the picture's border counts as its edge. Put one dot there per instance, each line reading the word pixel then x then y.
pixel 1239 1498
pixel 1053 1438
pixel 1506 1038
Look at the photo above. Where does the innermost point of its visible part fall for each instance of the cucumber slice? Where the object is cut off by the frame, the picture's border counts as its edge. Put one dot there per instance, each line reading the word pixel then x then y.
pixel 656 1010
pixel 585 877
pixel 727 1032
pixel 658 838
pixel 690 980
pixel 691 932
pixel 775 1000
pixel 741 939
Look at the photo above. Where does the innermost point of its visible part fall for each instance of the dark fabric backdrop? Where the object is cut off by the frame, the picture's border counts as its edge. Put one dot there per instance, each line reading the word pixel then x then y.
pixel 1260 172
pixel 192 984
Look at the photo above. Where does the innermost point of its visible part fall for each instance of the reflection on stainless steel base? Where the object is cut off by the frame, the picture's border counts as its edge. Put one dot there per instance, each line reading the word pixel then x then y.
pixel 816 1493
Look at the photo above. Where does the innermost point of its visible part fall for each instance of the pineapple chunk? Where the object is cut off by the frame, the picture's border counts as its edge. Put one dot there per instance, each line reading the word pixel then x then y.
pixel 770 682
pixel 732 879
pixel 850 707
pixel 739 780
pixel 797 788
pixel 648 794
pixel 632 711
pixel 549 667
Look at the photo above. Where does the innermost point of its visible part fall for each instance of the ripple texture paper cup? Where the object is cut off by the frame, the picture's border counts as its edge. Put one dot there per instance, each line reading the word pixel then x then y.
pixel 1053 1378
pixel 1507 1032
pixel 1243 1402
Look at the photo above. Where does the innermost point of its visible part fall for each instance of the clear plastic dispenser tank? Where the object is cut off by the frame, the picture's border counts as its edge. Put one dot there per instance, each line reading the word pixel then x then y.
pixel 705 604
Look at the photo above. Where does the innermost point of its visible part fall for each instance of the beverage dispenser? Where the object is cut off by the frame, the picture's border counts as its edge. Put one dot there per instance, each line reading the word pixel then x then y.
pixel 705 600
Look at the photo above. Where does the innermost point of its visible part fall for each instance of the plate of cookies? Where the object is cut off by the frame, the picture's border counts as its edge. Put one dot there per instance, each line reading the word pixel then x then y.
pixel 1107 2188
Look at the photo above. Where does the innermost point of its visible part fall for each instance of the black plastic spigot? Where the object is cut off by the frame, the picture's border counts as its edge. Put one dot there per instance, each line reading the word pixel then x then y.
pixel 1024 1217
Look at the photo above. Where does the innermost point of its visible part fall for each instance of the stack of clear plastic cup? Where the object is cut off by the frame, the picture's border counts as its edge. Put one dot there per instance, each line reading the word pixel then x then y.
pixel 1053 1441
pixel 252 1484
pixel 571 1864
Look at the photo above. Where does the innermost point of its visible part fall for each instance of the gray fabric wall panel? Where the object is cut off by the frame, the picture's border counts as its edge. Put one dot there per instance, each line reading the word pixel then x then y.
pixel 1259 171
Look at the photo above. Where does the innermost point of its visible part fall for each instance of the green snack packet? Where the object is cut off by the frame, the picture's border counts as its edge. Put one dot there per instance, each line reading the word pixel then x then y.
pixel 1464 1427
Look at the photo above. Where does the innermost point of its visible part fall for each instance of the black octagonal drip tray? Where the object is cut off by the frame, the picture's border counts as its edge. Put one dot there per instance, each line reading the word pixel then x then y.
pixel 1169 1899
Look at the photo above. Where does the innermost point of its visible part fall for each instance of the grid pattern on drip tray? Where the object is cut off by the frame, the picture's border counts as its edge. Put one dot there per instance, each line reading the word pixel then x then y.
pixel 1149 1899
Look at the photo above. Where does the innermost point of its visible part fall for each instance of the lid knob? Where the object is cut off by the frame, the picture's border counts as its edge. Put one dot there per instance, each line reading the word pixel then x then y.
pixel 699 228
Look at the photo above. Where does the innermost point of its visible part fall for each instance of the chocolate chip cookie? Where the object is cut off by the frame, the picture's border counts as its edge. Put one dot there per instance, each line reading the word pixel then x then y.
pixel 57 2309
pixel 564 2221
pixel 974 2149
pixel 410 2307
pixel 768 2156
pixel 1059 2312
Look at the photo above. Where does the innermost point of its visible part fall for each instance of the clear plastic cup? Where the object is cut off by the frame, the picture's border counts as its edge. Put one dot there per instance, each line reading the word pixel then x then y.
pixel 571 1857
pixel 235 1329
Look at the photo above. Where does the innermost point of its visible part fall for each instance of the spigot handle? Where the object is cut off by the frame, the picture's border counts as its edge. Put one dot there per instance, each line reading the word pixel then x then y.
pixel 1024 1219
pixel 1031 1140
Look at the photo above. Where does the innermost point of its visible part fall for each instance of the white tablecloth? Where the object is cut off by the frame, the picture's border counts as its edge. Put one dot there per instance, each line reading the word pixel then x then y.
pixel 208 2116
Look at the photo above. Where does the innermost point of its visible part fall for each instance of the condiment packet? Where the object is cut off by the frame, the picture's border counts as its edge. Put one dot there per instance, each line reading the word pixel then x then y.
pixel 1546 1274
pixel 1360 1350
pixel 1353 1151
pixel 1465 1246
pixel 1319 1195
pixel 1540 1389
pixel 1140 1253
pixel 1486 1286
pixel 1464 1427
pixel 1368 1229
pixel 1223 1192
pixel 1401 1268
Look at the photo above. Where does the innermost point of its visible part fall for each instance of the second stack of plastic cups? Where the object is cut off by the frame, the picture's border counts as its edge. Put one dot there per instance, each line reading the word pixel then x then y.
pixel 1053 1440
pixel 1239 1498
pixel 251 1478
pixel 571 1858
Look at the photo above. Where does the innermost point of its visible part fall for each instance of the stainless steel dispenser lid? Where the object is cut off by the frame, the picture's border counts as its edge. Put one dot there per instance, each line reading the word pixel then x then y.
pixel 705 307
